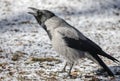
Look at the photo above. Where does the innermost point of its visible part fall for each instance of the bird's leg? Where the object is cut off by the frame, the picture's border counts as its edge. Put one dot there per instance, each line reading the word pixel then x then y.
pixel 69 72
pixel 64 68
pixel 71 66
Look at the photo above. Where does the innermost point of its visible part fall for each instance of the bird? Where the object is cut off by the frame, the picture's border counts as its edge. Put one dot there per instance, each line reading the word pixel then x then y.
pixel 69 42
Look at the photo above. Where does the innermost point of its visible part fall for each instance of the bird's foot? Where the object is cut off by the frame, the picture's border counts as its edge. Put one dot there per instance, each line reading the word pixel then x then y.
pixel 67 76
pixel 62 71
pixel 72 75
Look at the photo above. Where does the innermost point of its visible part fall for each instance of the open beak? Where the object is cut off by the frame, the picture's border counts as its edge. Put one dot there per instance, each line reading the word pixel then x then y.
pixel 34 11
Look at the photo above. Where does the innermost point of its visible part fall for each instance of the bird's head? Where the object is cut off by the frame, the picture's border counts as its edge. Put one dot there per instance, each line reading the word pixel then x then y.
pixel 41 15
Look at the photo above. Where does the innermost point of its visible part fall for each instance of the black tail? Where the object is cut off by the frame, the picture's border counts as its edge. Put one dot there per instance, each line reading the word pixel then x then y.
pixel 102 64
pixel 108 56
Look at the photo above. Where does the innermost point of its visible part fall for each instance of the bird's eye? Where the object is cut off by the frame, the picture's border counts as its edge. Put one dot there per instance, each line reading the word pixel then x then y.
pixel 39 13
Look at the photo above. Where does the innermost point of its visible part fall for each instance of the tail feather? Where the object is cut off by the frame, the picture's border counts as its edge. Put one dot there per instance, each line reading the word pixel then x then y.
pixel 109 57
pixel 102 64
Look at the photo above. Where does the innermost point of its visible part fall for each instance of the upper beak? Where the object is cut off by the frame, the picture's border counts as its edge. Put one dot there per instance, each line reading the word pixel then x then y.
pixel 34 11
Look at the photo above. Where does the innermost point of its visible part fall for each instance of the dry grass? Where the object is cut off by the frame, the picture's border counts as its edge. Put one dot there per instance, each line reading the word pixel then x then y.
pixel 43 59
pixel 16 56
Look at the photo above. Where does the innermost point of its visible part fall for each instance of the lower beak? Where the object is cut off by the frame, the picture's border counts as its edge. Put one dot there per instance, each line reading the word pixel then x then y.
pixel 32 13
pixel 34 10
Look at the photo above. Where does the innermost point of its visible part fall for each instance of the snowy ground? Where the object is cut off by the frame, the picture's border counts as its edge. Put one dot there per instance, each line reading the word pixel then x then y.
pixel 25 49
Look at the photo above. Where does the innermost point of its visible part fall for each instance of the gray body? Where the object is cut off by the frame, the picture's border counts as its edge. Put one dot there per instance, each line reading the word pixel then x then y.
pixel 68 41
pixel 59 29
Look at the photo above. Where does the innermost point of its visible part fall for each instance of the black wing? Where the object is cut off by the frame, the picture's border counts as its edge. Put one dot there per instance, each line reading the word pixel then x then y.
pixel 83 45
pixel 88 46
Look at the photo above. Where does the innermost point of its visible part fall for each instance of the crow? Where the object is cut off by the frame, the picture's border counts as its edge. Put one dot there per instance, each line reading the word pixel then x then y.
pixel 69 42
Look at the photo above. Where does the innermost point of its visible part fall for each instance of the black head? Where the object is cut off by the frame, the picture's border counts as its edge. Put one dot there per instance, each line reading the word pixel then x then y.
pixel 41 15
